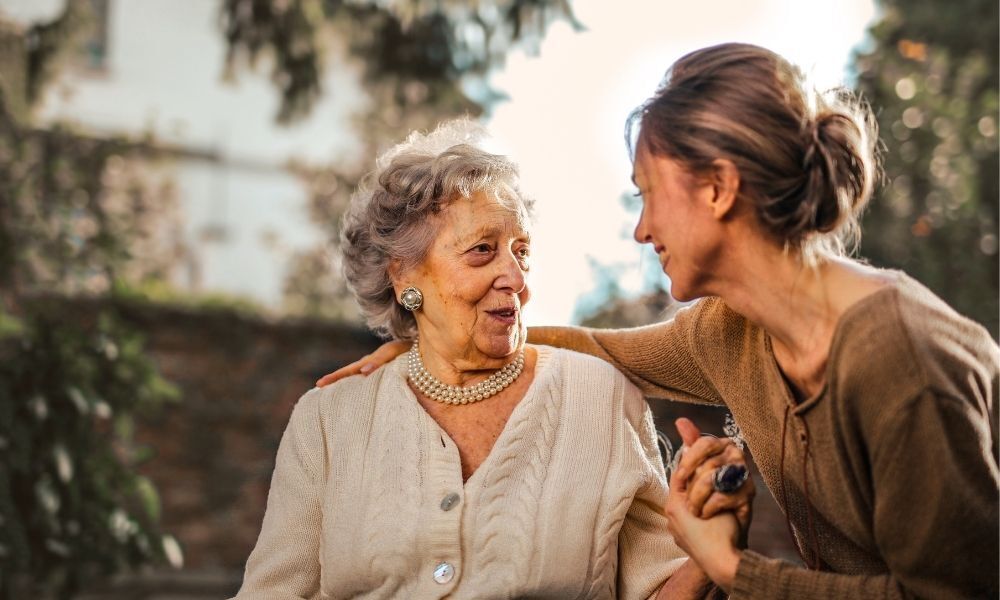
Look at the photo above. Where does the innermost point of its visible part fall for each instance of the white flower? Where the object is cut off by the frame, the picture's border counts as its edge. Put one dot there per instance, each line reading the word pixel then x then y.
pixel 78 400
pixel 64 465
pixel 57 547
pixel 47 497
pixel 121 526
pixel 40 407
pixel 102 409
pixel 173 551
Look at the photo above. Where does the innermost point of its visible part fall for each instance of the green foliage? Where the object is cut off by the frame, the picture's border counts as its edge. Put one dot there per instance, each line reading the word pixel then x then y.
pixel 49 43
pixel 75 217
pixel 71 506
pixel 422 45
pixel 932 78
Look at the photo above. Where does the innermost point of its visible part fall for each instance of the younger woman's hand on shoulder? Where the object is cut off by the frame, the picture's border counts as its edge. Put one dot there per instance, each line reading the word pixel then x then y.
pixel 368 363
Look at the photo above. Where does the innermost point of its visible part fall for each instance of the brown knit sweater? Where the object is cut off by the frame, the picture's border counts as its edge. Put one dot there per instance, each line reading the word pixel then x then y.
pixel 898 451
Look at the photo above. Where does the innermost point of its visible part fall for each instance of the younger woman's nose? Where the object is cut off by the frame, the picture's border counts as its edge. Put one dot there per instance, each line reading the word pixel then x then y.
pixel 641 233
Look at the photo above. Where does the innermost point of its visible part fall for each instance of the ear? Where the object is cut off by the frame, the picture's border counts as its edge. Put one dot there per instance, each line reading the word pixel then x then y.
pixel 395 272
pixel 725 181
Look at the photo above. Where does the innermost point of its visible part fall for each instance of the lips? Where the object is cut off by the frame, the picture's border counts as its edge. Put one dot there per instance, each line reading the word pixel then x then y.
pixel 506 315
pixel 663 255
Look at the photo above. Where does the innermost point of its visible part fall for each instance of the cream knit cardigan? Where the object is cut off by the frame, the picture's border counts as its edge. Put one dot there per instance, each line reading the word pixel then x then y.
pixel 566 505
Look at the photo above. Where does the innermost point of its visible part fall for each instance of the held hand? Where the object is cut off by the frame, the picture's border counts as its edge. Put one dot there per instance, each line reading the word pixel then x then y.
pixel 366 364
pixel 711 543
pixel 696 471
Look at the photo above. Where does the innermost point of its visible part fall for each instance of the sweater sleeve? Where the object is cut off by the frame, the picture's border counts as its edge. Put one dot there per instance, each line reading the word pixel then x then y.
pixel 285 563
pixel 659 358
pixel 935 514
pixel 647 553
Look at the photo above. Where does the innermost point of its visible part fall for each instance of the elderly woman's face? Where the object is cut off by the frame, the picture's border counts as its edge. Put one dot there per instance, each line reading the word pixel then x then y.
pixel 473 280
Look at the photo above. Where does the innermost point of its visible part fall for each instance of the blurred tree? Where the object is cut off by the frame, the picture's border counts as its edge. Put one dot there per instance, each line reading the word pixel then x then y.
pixel 932 77
pixel 72 508
pixel 77 215
pixel 421 49
pixel 421 61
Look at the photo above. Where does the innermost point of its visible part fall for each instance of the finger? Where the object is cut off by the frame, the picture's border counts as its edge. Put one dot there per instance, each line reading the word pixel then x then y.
pixel 362 365
pixel 699 490
pixel 699 451
pixel 389 350
pixel 688 430
pixel 677 490
pixel 744 515
pixel 718 502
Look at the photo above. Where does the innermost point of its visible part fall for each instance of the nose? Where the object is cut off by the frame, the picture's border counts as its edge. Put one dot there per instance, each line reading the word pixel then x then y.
pixel 641 233
pixel 511 274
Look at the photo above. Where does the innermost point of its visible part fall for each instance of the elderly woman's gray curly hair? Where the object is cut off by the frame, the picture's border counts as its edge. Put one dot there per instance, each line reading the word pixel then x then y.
pixel 392 213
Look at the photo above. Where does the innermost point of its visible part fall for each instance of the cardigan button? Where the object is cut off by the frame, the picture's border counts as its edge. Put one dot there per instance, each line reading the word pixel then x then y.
pixel 443 573
pixel 449 501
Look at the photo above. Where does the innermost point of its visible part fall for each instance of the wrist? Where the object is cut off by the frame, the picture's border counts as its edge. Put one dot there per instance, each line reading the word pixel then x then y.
pixel 723 569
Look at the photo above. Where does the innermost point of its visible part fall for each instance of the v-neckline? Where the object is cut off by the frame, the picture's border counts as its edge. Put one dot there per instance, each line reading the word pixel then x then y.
pixel 541 363
pixel 835 342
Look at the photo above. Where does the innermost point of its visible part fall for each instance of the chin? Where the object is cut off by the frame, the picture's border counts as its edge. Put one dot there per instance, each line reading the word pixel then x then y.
pixel 681 292
pixel 502 345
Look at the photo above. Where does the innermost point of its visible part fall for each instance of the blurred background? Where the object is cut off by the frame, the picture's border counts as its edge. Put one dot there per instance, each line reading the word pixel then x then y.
pixel 172 175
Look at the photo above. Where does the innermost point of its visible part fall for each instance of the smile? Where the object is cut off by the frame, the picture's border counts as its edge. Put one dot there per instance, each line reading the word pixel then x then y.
pixel 504 315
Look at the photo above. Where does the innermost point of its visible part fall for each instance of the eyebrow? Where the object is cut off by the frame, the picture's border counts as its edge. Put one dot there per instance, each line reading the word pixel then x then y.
pixel 485 232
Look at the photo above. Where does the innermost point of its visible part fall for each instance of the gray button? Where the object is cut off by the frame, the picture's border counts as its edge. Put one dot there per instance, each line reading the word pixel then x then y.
pixel 443 573
pixel 450 501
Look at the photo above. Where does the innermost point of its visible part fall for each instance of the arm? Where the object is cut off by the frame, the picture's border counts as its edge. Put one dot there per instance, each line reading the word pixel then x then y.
pixel 647 553
pixel 935 514
pixel 284 565
pixel 659 359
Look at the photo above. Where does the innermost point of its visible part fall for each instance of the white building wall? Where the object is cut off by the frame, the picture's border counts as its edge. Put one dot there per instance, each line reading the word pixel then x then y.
pixel 164 77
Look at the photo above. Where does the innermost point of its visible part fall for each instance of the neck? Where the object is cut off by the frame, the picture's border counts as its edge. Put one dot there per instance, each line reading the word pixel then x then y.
pixel 460 370
pixel 793 302
pixel 798 305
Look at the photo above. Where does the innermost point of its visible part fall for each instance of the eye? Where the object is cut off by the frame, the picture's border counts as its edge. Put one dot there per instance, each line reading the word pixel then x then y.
pixel 482 248
pixel 523 252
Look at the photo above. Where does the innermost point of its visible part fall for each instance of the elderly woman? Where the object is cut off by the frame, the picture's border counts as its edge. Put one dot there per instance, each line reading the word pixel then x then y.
pixel 474 465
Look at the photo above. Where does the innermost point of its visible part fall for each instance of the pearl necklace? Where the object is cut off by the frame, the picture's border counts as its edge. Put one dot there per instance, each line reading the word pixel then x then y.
pixel 436 390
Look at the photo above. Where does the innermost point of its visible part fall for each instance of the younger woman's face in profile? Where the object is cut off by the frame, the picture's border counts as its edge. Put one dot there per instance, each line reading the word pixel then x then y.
pixel 677 220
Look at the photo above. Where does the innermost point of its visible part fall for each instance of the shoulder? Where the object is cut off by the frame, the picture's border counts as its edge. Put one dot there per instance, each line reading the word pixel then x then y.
pixel 591 381
pixel 905 338
pixel 569 366
pixel 345 402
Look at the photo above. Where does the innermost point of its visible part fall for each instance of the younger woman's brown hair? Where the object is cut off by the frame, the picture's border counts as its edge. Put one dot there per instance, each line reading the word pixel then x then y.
pixel 807 161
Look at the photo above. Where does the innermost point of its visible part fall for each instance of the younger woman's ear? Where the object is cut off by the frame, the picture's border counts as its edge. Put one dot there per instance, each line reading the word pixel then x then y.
pixel 725 180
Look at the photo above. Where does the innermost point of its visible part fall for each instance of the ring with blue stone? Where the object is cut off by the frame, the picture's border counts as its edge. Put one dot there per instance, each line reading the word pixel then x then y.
pixel 729 478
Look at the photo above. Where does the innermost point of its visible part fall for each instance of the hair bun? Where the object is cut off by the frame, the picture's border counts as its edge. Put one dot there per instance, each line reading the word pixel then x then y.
pixel 838 168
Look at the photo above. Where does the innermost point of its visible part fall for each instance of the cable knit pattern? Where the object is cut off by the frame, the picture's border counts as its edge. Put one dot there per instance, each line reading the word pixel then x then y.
pixel 566 505
pixel 512 487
